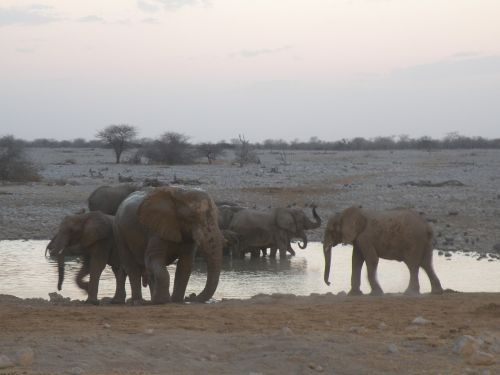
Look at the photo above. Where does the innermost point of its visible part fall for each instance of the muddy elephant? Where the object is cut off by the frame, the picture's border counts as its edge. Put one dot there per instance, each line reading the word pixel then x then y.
pixel 107 198
pixel 401 235
pixel 89 235
pixel 154 229
pixel 272 229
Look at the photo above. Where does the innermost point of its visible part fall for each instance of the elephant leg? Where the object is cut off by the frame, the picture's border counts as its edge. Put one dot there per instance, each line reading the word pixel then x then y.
pixel 84 271
pixel 97 265
pixel 371 259
pixel 120 278
pixel 357 264
pixel 264 251
pixel 290 250
pixel 182 274
pixel 273 251
pixel 429 270
pixel 134 276
pixel 413 286
pixel 283 251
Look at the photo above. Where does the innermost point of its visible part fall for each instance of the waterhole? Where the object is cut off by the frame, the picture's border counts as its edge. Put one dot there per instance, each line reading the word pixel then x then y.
pixel 25 272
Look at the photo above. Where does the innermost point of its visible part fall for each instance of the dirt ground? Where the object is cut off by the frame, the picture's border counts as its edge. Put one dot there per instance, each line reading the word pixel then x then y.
pixel 264 335
pixel 279 334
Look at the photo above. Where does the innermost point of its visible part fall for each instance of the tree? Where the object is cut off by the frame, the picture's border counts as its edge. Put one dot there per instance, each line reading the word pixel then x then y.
pixel 244 151
pixel 172 148
pixel 211 151
pixel 118 137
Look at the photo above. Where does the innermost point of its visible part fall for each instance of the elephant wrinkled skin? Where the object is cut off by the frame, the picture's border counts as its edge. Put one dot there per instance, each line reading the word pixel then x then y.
pixel 154 229
pixel 89 235
pixel 400 235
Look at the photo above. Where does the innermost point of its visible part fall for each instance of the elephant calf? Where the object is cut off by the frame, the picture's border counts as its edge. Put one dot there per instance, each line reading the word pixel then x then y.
pixel 89 235
pixel 400 235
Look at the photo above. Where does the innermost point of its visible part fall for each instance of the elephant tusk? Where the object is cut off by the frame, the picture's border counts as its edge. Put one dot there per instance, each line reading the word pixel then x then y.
pixel 60 252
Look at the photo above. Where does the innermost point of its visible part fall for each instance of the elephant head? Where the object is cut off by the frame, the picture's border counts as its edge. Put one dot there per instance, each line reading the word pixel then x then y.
pixel 341 228
pixel 296 222
pixel 75 234
pixel 181 216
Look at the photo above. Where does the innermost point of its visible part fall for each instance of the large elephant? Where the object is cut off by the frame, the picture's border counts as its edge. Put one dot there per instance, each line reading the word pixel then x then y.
pixel 273 229
pixel 401 235
pixel 107 198
pixel 154 229
pixel 89 235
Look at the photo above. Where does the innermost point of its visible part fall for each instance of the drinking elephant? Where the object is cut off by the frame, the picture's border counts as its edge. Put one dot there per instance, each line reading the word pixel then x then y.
pixel 273 229
pixel 89 235
pixel 154 229
pixel 401 235
pixel 107 198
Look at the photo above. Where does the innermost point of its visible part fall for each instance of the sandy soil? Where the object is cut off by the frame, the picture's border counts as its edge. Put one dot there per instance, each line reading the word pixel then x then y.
pixel 266 334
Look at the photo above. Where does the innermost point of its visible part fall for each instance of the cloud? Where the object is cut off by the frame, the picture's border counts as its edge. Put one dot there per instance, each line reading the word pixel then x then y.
pixel 259 52
pixel 91 18
pixel 152 6
pixel 30 15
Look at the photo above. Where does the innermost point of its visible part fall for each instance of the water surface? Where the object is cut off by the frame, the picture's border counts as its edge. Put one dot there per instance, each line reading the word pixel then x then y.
pixel 25 272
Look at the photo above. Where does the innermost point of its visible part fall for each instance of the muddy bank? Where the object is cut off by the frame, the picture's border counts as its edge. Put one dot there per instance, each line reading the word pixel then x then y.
pixel 264 335
pixel 458 190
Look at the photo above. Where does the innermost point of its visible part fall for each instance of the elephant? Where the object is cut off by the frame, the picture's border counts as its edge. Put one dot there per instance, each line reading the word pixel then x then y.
pixel 273 229
pixel 400 234
pixel 154 229
pixel 107 198
pixel 89 235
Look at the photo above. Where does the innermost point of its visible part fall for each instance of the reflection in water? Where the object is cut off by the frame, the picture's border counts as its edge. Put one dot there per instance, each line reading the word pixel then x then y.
pixel 26 272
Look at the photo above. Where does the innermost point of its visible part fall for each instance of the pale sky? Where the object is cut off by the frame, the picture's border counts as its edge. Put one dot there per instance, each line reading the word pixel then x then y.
pixel 213 69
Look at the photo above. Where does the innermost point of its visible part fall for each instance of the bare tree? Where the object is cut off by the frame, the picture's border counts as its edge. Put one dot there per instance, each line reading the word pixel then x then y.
pixel 244 151
pixel 211 151
pixel 118 137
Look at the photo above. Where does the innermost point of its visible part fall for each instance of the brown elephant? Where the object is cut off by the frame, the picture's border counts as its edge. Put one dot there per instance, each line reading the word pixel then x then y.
pixel 401 235
pixel 107 198
pixel 89 235
pixel 273 229
pixel 154 229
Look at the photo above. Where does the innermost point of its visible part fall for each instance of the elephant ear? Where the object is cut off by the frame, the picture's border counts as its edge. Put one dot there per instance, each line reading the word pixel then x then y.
pixel 352 223
pixel 94 228
pixel 158 212
pixel 285 220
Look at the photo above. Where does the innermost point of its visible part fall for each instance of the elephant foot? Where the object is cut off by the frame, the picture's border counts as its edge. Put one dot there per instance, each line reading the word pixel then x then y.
pixel 412 292
pixel 138 302
pixel 376 292
pixel 437 291
pixel 355 292
pixel 92 302
pixel 117 301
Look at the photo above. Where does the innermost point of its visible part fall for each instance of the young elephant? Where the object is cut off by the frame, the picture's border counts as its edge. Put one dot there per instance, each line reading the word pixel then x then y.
pixel 400 235
pixel 89 235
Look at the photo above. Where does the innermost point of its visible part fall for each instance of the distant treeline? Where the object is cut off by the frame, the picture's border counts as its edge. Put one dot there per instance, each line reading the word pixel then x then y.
pixel 451 141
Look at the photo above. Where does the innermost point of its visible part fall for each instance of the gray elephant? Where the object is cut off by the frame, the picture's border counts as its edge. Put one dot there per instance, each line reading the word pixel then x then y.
pixel 401 235
pixel 167 224
pixel 273 229
pixel 107 198
pixel 89 235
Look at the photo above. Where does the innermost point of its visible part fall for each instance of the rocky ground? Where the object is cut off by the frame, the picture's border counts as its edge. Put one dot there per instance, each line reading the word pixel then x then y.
pixel 455 333
pixel 458 190
pixel 280 334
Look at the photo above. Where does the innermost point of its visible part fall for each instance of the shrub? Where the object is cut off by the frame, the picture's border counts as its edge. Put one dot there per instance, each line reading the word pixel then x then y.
pixel 14 165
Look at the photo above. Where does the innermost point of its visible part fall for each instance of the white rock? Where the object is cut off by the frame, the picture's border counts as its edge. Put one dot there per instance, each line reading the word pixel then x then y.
pixel 466 345
pixel 150 331
pixel 382 326
pixel 5 362
pixel 392 348
pixel 107 325
pixel 315 367
pixel 341 294
pixel 76 371
pixel 286 331
pixel 420 321
pixel 25 357
pixel 481 359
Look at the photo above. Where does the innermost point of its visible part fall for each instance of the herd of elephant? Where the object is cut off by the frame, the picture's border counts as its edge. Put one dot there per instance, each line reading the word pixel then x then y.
pixel 138 233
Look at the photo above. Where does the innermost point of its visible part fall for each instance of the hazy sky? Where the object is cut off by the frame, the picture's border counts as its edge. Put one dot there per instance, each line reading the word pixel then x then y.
pixel 213 69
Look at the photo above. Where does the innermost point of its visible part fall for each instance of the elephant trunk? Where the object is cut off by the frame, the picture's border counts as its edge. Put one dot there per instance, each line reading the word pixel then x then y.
pixel 212 251
pixel 317 220
pixel 60 269
pixel 327 251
